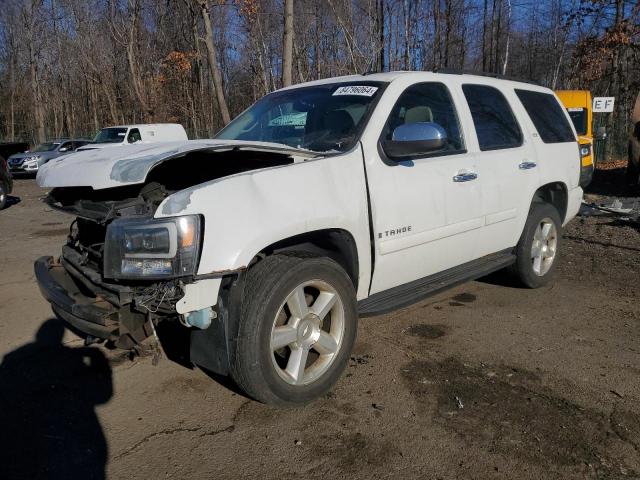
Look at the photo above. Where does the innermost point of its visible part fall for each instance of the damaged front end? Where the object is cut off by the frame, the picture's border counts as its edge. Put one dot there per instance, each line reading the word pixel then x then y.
pixel 122 271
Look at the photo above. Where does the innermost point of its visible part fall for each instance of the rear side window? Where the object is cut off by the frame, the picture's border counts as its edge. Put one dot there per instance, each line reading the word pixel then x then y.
pixel 547 116
pixel 496 126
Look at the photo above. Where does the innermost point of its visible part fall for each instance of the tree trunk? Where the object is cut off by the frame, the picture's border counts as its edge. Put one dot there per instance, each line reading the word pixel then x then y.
pixel 287 44
pixel 40 133
pixel 380 24
pixel 213 65
pixel 506 48
pixel 484 37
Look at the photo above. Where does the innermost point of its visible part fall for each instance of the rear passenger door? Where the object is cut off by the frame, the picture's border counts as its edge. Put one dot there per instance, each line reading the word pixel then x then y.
pixel 506 162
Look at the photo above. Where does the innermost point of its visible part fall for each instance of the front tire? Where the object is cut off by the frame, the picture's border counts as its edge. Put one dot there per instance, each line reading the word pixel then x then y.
pixel 297 328
pixel 538 248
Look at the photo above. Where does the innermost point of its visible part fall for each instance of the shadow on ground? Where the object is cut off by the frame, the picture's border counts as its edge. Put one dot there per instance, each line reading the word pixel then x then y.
pixel 11 201
pixel 613 182
pixel 48 394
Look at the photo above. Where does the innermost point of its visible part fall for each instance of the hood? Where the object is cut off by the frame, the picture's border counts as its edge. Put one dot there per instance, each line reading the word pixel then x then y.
pixel 21 156
pixel 43 155
pixel 97 146
pixel 130 164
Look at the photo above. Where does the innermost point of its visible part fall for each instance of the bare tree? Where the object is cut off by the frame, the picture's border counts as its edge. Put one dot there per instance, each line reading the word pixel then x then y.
pixel 287 41
pixel 69 67
pixel 213 64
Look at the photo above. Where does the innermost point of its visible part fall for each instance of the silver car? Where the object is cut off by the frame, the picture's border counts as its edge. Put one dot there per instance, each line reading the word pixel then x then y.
pixel 31 160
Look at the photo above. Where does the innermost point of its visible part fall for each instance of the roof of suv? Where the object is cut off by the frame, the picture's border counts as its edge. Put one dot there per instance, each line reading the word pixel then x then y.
pixel 391 76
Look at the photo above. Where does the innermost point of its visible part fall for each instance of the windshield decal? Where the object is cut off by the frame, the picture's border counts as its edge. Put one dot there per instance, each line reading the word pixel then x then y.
pixel 363 90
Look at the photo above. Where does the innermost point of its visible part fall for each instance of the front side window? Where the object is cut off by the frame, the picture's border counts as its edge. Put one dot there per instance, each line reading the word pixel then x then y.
pixel 134 136
pixel 547 116
pixel 324 118
pixel 495 124
pixel 46 147
pixel 579 119
pixel 427 103
pixel 110 135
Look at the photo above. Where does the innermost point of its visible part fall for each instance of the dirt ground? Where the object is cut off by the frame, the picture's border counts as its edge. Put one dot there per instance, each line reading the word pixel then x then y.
pixel 484 381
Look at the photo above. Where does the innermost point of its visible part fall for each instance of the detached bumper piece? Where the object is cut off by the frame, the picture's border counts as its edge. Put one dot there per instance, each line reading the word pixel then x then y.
pixel 86 306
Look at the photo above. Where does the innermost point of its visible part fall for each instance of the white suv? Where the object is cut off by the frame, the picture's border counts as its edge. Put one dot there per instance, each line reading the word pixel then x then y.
pixel 322 202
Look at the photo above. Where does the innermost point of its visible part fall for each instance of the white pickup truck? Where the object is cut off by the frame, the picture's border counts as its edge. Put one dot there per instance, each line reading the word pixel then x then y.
pixel 322 202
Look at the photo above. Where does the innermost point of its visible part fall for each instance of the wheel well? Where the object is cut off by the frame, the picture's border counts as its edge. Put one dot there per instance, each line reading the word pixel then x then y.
pixel 336 244
pixel 554 193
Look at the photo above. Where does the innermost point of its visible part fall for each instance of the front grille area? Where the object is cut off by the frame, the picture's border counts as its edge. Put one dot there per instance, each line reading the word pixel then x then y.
pixel 89 242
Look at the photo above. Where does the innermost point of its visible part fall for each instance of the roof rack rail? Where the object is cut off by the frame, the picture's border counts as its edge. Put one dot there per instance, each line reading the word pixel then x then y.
pixel 457 71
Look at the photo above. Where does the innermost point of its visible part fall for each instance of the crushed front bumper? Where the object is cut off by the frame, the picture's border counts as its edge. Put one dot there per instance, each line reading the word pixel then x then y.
pixel 93 316
pixel 87 306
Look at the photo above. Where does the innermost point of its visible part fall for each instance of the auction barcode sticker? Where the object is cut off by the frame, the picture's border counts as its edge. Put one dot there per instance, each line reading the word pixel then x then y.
pixel 363 90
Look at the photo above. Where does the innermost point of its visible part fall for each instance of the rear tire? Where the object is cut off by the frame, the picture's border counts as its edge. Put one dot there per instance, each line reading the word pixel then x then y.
pixel 297 328
pixel 538 248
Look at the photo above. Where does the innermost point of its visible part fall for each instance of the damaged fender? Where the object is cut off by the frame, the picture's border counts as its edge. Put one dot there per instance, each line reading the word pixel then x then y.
pixel 247 212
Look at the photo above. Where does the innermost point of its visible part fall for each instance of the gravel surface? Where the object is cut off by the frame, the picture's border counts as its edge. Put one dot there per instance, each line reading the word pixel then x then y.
pixel 484 381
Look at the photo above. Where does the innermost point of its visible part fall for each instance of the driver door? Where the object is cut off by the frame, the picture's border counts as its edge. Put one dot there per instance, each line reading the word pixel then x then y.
pixel 426 209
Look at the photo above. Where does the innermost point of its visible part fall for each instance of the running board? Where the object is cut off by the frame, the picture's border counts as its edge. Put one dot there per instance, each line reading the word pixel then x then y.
pixel 404 295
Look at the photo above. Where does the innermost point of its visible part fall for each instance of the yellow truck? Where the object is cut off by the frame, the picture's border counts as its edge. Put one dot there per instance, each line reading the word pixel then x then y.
pixel 579 106
pixel 633 167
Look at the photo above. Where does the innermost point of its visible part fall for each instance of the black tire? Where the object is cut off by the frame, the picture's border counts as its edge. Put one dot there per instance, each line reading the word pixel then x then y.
pixel 268 284
pixel 524 268
pixel 3 196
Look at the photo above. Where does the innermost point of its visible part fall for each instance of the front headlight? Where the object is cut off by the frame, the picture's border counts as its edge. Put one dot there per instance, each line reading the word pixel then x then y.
pixel 152 248
pixel 31 163
pixel 585 151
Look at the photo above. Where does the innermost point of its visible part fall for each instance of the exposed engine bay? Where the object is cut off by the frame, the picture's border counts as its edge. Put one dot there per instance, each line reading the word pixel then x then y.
pixel 124 301
pixel 170 176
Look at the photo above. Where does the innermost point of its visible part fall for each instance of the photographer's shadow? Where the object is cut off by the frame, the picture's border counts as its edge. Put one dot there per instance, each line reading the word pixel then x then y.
pixel 48 394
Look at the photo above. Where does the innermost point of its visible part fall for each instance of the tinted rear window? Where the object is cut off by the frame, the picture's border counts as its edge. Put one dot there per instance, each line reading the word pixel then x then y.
pixel 496 127
pixel 547 115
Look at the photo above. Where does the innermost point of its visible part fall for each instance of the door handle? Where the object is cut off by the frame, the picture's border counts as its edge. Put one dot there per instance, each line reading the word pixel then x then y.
pixel 465 177
pixel 525 165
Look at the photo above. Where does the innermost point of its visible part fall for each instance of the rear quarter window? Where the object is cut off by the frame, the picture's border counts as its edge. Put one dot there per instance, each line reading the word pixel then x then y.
pixel 547 116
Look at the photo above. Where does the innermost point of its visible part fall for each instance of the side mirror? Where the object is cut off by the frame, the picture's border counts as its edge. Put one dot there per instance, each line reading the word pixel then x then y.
pixel 601 133
pixel 63 149
pixel 415 139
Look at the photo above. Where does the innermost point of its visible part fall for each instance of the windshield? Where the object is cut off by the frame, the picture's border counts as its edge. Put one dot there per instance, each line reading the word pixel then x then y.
pixel 46 147
pixel 323 118
pixel 110 135
pixel 579 119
